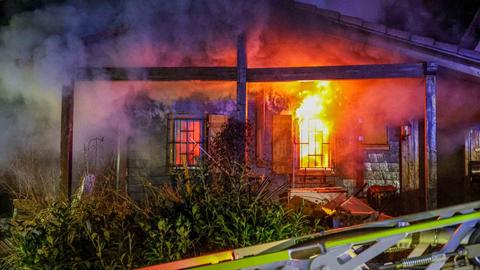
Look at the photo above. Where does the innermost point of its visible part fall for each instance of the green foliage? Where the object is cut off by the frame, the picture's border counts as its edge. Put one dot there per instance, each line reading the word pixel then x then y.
pixel 94 233
pixel 109 231
pixel 218 205
pixel 202 214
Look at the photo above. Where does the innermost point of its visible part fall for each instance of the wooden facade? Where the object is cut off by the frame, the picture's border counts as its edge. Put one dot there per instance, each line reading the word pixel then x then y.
pixel 282 154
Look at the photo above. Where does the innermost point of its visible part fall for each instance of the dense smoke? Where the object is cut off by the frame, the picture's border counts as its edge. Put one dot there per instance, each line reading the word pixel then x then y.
pixel 41 50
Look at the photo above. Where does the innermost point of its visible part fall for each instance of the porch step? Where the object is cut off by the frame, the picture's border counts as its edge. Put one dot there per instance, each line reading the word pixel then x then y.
pixel 310 185
pixel 311 181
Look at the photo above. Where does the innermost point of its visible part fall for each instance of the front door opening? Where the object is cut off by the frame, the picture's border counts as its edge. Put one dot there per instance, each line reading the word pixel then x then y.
pixel 313 145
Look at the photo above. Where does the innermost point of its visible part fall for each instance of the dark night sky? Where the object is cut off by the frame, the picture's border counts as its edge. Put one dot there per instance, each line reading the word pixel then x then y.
pixel 444 20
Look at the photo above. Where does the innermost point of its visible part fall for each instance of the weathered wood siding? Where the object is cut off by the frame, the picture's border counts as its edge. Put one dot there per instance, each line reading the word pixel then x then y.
pixel 282 144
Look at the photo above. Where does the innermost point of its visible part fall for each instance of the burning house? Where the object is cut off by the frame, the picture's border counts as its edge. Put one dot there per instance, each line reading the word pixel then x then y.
pixel 334 103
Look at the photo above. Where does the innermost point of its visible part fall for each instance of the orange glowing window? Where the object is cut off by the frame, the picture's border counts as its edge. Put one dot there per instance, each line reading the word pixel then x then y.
pixel 314 126
pixel 313 144
pixel 186 142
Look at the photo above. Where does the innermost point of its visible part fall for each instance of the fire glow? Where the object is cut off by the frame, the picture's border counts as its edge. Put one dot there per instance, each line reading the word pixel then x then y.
pixel 314 127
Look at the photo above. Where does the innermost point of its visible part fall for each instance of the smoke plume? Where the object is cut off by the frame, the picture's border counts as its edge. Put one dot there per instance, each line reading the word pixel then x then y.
pixel 42 50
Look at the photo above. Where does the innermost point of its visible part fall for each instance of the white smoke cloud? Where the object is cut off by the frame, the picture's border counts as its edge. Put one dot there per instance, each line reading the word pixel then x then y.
pixel 41 50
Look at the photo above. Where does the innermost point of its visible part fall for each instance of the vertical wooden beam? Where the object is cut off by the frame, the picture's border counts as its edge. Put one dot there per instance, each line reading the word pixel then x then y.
pixel 66 140
pixel 430 136
pixel 411 189
pixel 242 79
pixel 260 127
pixel 242 99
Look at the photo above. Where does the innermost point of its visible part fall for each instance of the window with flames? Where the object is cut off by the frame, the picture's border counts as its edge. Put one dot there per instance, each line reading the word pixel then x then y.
pixel 314 123
pixel 313 141
pixel 186 141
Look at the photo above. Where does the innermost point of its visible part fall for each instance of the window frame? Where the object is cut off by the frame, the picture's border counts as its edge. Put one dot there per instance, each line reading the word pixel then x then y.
pixel 172 139
pixel 297 152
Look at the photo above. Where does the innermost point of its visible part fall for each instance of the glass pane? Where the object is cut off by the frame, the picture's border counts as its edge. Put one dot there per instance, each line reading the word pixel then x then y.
pixel 311 144
pixel 183 148
pixel 177 131
pixel 311 161
pixel 196 151
pixel 317 136
pixel 196 133
pixel 326 155
pixel 303 132
pixel 182 136
pixel 318 161
pixel 190 125
pixel 177 154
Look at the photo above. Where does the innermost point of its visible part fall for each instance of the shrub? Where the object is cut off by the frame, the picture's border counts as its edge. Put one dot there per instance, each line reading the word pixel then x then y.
pixel 201 215
pixel 94 233
pixel 110 231
pixel 219 205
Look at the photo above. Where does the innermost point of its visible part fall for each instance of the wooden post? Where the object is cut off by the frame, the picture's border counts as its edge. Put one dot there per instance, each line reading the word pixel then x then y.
pixel 430 136
pixel 242 102
pixel 260 127
pixel 66 140
pixel 411 189
pixel 242 99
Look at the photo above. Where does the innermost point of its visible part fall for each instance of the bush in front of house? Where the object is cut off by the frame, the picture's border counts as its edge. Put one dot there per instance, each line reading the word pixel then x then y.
pixel 197 215
pixel 92 233
pixel 209 214
pixel 221 204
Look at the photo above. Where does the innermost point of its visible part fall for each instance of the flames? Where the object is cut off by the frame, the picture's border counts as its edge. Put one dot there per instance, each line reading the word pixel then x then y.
pixel 314 127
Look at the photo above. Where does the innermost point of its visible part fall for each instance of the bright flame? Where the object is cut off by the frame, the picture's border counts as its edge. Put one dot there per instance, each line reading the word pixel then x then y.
pixel 314 127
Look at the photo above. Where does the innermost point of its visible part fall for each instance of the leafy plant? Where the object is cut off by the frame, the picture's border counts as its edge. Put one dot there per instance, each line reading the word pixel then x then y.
pixel 219 205
pixel 89 234
pixel 110 231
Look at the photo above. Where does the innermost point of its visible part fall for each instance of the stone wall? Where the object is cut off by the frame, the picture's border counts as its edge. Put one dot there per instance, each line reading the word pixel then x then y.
pixel 382 166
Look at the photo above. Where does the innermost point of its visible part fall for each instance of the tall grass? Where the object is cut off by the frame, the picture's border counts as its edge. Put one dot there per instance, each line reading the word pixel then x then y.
pixel 30 177
pixel 220 204
pixel 110 231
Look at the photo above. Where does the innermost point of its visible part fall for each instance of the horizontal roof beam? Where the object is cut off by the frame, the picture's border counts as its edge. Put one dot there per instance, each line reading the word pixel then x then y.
pixel 279 74
pixel 336 72
pixel 159 74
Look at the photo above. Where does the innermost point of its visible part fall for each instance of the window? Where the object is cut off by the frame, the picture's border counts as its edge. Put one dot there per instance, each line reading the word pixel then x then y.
pixel 186 141
pixel 313 144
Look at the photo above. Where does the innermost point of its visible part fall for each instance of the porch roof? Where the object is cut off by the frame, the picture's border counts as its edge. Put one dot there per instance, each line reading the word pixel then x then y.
pixel 418 47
